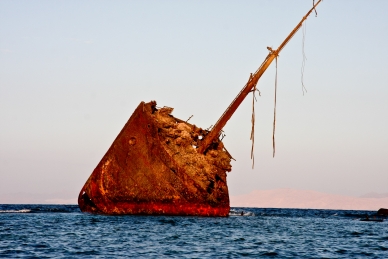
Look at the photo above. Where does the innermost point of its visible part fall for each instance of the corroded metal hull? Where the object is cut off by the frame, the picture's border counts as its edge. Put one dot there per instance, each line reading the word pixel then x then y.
pixel 152 168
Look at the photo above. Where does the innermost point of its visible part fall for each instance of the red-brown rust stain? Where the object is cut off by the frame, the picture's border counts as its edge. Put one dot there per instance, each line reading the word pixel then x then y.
pixel 152 169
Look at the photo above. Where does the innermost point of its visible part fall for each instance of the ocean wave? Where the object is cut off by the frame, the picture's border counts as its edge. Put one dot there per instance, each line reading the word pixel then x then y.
pixel 276 234
pixel 240 213
pixel 15 211
pixel 38 208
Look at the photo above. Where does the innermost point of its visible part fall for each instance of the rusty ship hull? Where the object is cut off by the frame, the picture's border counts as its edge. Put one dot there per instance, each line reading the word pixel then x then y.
pixel 161 165
pixel 152 168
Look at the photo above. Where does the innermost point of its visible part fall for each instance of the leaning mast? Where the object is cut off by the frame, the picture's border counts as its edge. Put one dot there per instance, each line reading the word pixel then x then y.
pixel 252 82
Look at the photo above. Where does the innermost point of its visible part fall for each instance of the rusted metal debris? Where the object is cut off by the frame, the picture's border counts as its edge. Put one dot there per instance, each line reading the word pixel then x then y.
pixel 153 168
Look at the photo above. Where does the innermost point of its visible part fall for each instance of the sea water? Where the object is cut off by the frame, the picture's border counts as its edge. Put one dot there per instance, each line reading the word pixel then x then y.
pixel 62 231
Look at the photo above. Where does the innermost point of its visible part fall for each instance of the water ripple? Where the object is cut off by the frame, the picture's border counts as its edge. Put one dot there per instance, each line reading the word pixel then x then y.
pixel 59 231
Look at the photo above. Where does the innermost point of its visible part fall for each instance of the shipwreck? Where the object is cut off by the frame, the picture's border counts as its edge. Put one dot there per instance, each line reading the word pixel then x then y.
pixel 162 165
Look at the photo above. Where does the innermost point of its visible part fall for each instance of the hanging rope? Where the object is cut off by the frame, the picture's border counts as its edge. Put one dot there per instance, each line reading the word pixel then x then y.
pixel 274 108
pixel 275 52
pixel 253 130
pixel 253 121
pixel 316 14
pixel 304 26
pixel 304 58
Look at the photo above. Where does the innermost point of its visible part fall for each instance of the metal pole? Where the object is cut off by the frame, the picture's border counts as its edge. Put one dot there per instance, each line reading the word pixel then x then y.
pixel 215 132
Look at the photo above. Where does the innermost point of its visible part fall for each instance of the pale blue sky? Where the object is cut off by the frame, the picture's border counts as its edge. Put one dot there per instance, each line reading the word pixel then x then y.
pixel 72 72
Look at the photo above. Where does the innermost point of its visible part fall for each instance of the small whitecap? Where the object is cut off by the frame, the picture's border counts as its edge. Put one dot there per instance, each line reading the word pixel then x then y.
pixel 15 211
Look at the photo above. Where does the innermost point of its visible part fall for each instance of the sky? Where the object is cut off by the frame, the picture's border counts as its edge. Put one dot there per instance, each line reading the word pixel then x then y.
pixel 72 73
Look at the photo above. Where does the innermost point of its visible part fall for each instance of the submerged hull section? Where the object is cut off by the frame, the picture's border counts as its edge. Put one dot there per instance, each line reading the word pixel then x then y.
pixel 153 168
